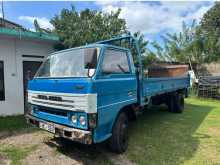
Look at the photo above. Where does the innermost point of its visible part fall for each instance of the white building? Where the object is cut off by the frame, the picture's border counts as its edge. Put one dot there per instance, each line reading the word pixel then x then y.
pixel 21 53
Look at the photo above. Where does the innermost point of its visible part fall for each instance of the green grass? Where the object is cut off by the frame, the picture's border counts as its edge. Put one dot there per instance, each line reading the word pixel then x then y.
pixel 193 137
pixel 16 154
pixel 157 137
pixel 10 125
pixel 13 123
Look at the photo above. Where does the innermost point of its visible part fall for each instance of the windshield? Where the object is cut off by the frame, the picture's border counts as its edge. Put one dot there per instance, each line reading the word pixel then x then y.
pixel 73 63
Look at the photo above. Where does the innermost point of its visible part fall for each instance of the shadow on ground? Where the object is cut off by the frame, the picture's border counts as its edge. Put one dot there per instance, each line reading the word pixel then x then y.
pixel 157 137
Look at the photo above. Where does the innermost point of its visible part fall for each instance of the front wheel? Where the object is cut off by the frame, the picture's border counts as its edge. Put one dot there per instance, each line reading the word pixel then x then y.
pixel 119 139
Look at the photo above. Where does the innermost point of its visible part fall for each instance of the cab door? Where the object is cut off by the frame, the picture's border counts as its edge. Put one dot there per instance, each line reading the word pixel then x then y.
pixel 116 86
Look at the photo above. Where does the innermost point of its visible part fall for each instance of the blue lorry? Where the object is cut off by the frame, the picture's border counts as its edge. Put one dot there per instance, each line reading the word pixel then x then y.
pixel 89 94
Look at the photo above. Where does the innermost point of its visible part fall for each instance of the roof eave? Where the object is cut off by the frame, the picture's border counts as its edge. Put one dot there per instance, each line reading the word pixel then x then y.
pixel 27 34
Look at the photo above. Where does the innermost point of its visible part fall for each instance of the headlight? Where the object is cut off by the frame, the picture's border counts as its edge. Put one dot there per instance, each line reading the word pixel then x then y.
pixel 74 119
pixel 82 120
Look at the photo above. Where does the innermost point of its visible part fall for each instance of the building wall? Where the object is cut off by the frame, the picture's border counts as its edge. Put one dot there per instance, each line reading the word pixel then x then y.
pixel 11 51
pixel 213 68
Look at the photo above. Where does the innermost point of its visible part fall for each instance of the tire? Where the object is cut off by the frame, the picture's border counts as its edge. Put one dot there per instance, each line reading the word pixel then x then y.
pixel 175 103
pixel 179 103
pixel 119 140
pixel 170 103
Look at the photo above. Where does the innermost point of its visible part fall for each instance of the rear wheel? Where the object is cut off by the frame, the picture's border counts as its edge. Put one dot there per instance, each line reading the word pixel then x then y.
pixel 119 139
pixel 179 103
pixel 170 103
pixel 175 102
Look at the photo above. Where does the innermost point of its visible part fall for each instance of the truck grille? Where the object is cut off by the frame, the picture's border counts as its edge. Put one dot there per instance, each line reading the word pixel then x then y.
pixel 55 104
pixel 59 101
pixel 54 112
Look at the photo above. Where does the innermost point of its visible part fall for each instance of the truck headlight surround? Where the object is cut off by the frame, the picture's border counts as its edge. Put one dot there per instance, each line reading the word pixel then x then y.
pixel 74 118
pixel 82 120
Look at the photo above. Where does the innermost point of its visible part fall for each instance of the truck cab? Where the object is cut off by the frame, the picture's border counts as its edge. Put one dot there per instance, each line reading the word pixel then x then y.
pixel 78 93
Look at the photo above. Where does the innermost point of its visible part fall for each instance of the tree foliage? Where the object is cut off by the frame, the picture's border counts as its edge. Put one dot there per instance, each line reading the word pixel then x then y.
pixel 149 58
pixel 183 46
pixel 197 43
pixel 87 26
pixel 141 42
pixel 210 30
pixel 210 22
pixel 191 44
pixel 177 47
pixel 142 45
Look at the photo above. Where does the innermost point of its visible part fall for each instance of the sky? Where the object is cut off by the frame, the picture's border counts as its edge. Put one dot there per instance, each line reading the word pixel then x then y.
pixel 153 19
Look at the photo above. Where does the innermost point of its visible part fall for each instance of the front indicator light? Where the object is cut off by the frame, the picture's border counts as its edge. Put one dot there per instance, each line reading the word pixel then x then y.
pixel 74 119
pixel 92 120
pixel 82 120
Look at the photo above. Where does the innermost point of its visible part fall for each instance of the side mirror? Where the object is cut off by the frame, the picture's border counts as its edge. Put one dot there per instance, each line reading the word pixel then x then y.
pixel 91 70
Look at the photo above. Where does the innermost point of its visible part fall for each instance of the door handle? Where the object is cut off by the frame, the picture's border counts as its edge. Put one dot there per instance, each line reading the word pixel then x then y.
pixel 130 93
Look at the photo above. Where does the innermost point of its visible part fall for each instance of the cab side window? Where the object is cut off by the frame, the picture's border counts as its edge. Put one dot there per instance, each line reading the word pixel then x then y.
pixel 115 62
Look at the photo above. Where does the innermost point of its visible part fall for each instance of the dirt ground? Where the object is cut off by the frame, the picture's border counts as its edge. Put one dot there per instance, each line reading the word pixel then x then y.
pixel 49 150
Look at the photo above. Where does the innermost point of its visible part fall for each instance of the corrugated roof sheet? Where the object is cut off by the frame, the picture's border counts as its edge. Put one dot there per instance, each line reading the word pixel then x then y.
pixel 28 34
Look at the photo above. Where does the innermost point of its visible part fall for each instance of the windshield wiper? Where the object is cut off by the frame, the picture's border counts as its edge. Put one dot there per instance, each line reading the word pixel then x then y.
pixel 122 69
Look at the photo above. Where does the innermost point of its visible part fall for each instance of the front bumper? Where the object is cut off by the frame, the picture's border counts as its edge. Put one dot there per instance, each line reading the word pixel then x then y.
pixel 73 134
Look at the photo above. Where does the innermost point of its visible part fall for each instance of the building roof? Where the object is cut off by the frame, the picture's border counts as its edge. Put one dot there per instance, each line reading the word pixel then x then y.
pixel 9 24
pixel 13 29
pixel 21 33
